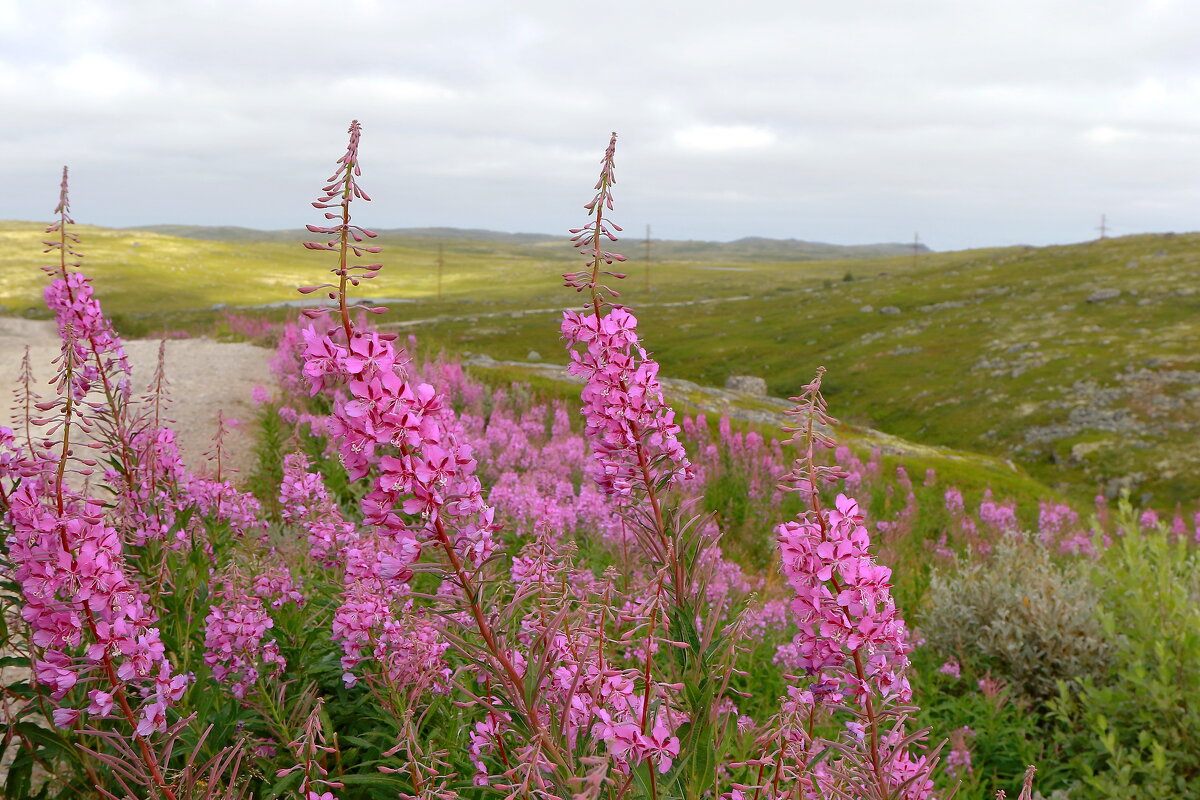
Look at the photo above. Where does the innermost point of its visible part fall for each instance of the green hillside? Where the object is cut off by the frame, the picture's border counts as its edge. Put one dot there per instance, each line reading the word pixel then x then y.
pixel 1081 362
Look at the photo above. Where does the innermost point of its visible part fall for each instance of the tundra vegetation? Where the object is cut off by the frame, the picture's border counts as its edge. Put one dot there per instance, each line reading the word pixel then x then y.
pixel 451 576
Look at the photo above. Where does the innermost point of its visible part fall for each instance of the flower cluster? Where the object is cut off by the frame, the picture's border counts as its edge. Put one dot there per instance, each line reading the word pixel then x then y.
pixel 958 760
pixel 843 601
pixel 235 644
pixel 852 642
pixel 99 350
pixel 304 501
pixel 631 428
pixel 91 623
pixel 78 314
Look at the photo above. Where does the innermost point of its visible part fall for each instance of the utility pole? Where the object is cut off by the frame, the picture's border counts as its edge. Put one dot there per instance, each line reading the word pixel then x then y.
pixel 440 263
pixel 916 248
pixel 647 257
pixel 1103 226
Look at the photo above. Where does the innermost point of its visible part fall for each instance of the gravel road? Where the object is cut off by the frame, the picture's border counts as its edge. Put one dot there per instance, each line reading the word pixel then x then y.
pixel 204 376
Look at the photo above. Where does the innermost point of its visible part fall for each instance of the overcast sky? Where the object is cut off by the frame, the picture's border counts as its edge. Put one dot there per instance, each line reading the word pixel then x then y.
pixel 974 123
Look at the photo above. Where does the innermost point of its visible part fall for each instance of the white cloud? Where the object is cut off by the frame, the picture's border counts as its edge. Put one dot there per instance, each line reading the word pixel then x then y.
pixel 1107 134
pixel 722 138
pixel 99 77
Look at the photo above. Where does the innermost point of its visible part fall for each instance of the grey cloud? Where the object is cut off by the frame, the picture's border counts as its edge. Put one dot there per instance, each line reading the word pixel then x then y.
pixel 976 124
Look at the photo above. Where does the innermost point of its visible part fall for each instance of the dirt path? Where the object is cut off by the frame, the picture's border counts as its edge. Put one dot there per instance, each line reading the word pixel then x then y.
pixel 204 376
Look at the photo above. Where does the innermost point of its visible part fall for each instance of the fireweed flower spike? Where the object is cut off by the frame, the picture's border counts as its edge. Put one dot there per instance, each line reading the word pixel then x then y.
pixel 632 430
pixel 71 297
pixel 346 239
pixel 852 642
pixel 98 661
pixel 637 462
pixel 425 494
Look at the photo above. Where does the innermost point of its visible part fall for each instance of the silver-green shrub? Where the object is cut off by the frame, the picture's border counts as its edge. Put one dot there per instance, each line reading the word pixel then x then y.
pixel 1020 615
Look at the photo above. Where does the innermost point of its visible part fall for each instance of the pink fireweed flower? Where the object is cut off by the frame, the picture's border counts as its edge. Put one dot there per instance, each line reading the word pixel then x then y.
pixel 958 761
pixel 235 643
pixel 999 516
pixel 631 428
pixel 660 747
pixel 424 488
pixel 951 668
pixel 65 717
pixel 304 501
pixel 79 597
pixel 954 501
pixel 852 642
pixel 71 298
pixel 624 408
pixel 101 703
pixel 843 596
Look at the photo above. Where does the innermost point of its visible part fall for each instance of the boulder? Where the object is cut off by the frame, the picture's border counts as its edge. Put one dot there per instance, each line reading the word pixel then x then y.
pixel 746 384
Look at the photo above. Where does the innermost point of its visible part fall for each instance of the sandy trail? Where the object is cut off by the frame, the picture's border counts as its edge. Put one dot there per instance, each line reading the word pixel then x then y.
pixel 204 377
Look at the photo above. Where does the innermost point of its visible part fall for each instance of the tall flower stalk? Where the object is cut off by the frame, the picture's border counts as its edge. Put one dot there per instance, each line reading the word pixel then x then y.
pixel 852 643
pixel 639 463
pixel 103 361
pixel 407 434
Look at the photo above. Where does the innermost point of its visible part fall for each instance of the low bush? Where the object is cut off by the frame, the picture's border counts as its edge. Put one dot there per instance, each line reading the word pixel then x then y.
pixel 1132 731
pixel 1018 616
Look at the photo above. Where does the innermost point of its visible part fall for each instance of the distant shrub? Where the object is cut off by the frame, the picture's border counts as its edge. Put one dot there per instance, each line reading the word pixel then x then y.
pixel 1021 616
pixel 848 277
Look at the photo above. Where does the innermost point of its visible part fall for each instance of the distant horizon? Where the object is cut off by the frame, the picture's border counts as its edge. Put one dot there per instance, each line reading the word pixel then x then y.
pixel 628 236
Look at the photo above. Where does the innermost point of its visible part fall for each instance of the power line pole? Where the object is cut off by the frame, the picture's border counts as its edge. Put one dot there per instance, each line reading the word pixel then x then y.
pixel 1103 226
pixel 647 257
pixel 440 263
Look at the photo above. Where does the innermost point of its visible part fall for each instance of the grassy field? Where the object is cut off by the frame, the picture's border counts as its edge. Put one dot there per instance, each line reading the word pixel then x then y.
pixel 1080 363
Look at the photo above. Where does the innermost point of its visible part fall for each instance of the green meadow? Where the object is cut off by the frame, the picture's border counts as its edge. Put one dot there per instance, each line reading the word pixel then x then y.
pixel 1075 368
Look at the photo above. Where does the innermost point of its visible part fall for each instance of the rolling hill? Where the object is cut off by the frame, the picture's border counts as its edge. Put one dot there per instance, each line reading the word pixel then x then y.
pixel 1079 362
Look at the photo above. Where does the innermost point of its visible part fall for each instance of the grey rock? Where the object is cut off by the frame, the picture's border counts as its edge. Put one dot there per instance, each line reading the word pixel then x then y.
pixel 534 355
pixel 746 384
pixel 867 309
pixel 1100 295
pixel 942 306
pixel 889 310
